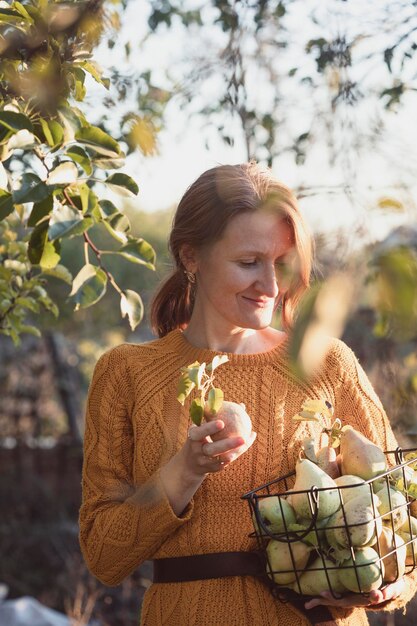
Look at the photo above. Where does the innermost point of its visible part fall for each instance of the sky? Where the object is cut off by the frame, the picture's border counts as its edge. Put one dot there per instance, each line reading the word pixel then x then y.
pixel 183 153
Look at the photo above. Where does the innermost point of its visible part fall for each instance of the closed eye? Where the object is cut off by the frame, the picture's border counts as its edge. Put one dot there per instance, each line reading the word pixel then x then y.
pixel 251 263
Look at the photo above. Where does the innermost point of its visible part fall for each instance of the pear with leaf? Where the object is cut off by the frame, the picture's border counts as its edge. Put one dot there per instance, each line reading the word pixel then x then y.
pixel 209 403
pixel 321 411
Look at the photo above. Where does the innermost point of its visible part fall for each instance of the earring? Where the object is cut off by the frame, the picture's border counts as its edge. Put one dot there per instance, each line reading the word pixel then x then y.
pixel 190 276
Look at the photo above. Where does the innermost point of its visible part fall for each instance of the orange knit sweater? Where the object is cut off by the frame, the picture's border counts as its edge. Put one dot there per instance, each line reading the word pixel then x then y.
pixel 134 425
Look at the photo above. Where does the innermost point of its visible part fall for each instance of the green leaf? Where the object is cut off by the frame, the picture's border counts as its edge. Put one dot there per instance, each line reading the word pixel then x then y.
pixel 98 140
pixel 122 184
pixel 94 70
pixel 53 131
pixel 21 9
pixel 88 199
pixel 40 210
pixel 118 226
pixel 80 156
pixel 41 251
pixel 4 180
pixel 108 209
pixel 32 189
pixel 110 163
pixel 197 411
pixel 216 362
pixel 185 386
pixel 28 303
pixel 22 140
pixel 67 222
pixel 65 173
pixel 137 251
pixel 131 305
pixel 6 204
pixel 60 272
pixel 15 121
pixel 196 373
pixel 89 286
pixel 215 399
pixel 49 305
pixel 30 330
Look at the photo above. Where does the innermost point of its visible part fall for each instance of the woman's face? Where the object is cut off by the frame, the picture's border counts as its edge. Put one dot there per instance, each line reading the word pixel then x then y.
pixel 240 276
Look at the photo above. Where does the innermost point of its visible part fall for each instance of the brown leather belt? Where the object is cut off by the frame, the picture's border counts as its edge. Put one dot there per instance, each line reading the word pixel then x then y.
pixel 221 564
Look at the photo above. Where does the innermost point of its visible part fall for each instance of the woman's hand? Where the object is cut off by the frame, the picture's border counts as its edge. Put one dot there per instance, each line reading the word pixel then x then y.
pixel 203 455
pixel 375 597
pixel 199 456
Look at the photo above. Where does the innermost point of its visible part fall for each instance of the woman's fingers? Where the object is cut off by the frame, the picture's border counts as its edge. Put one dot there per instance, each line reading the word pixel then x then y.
pixel 199 433
pixel 375 597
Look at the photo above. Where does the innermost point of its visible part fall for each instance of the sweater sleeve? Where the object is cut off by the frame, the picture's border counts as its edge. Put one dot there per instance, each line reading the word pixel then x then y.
pixel 358 404
pixel 121 523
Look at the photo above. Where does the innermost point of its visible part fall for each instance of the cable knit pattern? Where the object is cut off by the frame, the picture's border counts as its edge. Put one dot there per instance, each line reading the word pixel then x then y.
pixel 134 425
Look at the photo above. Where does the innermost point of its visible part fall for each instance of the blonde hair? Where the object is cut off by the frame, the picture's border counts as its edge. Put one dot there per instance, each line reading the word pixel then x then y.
pixel 200 219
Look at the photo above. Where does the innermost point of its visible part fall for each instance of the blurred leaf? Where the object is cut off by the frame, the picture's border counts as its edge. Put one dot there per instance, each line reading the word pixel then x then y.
pixel 322 314
pixel 94 70
pixel 89 286
pixel 131 305
pixel 6 204
pixel 390 204
pixel 60 272
pixel 122 184
pixel 396 292
pixel 143 136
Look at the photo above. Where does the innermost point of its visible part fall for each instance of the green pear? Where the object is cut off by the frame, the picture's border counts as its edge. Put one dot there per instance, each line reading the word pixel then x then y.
pixel 283 558
pixel 393 551
pixel 410 526
pixel 360 456
pixel 353 486
pixel 273 510
pixel 355 521
pixel 393 507
pixel 363 575
pixel 410 539
pixel 411 547
pixel 308 475
pixel 314 580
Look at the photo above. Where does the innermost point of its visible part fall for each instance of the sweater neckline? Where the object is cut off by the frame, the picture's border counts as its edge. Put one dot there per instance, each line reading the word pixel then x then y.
pixel 177 340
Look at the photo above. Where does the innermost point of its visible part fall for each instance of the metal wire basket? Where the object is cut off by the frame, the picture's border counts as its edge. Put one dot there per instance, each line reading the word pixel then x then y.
pixel 321 560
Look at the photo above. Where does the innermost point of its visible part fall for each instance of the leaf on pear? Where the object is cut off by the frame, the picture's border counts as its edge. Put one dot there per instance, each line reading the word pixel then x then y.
pixel 197 411
pixel 185 386
pixel 215 399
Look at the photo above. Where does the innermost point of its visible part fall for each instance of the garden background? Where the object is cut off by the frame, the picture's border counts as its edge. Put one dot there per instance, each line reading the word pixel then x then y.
pixel 108 110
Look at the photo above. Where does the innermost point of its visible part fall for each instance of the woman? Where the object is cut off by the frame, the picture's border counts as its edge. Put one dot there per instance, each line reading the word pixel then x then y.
pixel 156 488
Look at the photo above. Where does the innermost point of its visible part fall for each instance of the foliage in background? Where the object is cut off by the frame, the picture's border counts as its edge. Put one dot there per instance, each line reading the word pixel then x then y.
pixel 55 164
